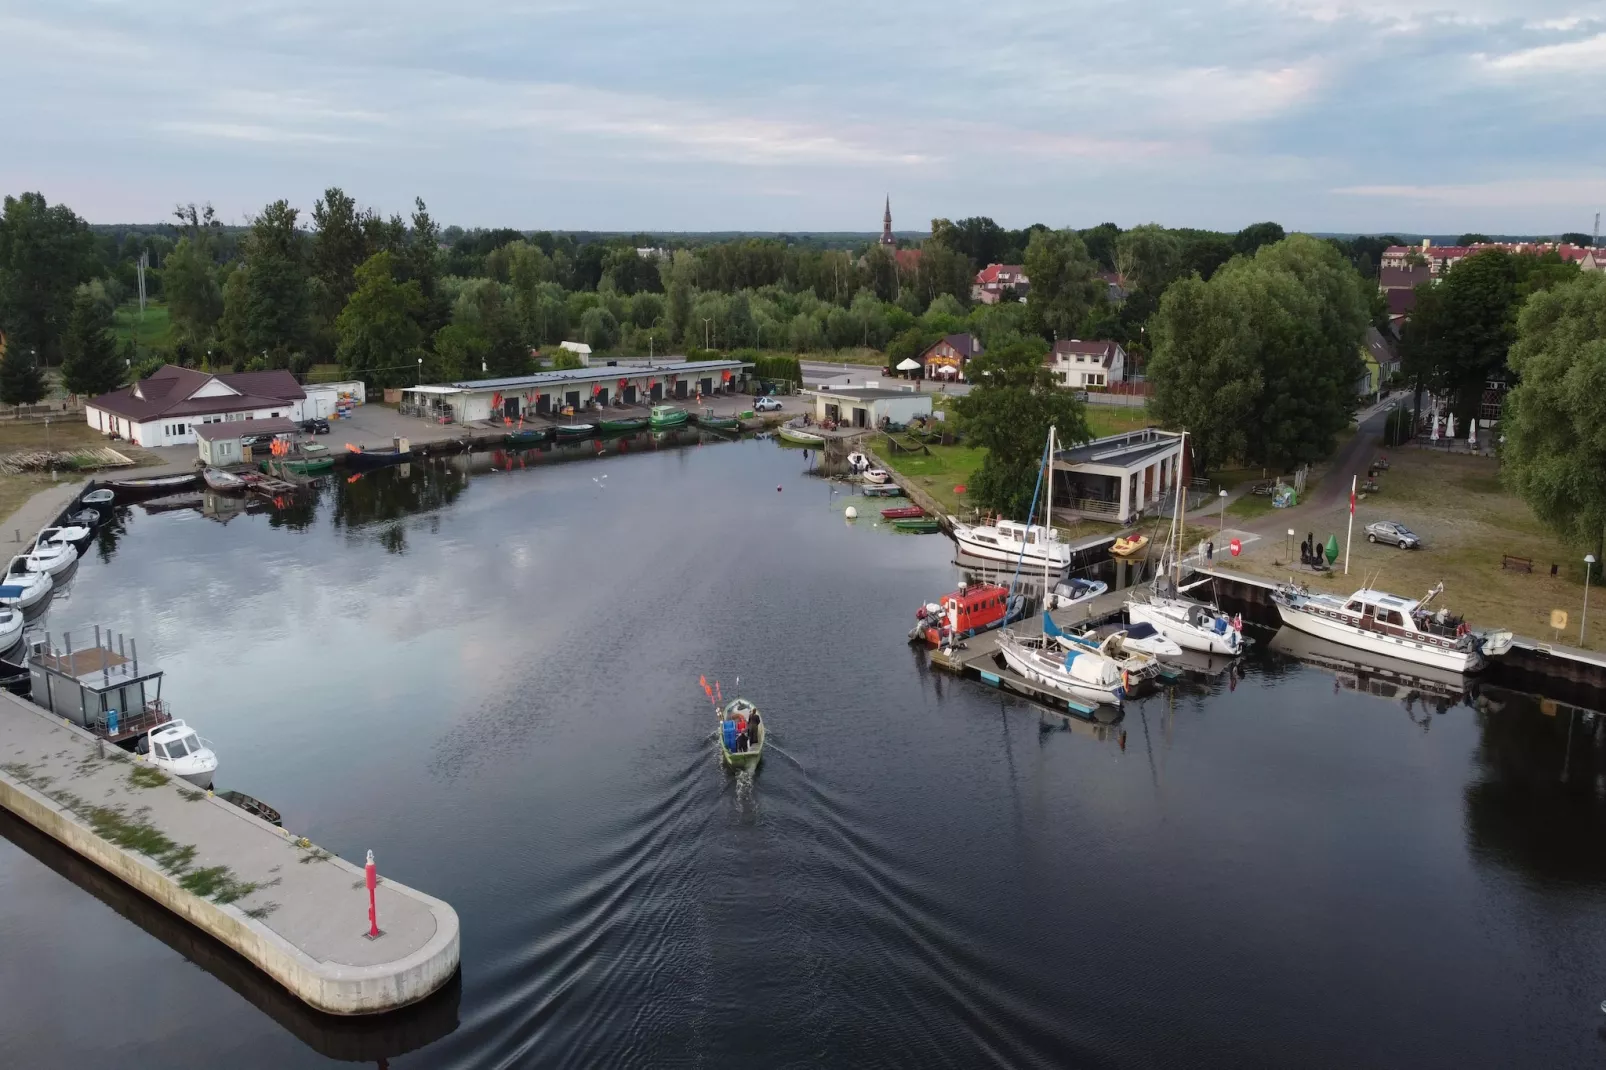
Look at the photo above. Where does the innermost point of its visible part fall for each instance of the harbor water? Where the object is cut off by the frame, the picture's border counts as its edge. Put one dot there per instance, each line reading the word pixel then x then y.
pixel 485 670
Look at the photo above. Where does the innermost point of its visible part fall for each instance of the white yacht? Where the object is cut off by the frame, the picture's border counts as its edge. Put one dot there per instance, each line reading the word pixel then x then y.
pixel 11 623
pixel 52 557
pixel 1391 626
pixel 1149 639
pixel 1073 591
pixel 174 748
pixel 1083 674
pixel 1005 540
pixel 1189 624
pixel 21 587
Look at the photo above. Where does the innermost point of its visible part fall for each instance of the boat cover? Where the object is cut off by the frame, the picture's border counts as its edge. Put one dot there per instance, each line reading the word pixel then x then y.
pixel 10 591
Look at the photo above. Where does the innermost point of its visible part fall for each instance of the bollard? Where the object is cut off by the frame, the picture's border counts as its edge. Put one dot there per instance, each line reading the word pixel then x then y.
pixel 372 877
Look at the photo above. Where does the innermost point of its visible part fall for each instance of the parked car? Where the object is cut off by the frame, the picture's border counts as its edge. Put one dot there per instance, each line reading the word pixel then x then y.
pixel 766 405
pixel 319 426
pixel 255 440
pixel 1393 533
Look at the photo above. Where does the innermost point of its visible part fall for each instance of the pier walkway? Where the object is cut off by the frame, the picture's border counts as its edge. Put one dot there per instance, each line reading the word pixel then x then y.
pixel 295 911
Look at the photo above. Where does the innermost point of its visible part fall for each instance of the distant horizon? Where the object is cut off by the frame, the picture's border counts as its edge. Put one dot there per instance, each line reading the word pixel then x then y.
pixel 1344 116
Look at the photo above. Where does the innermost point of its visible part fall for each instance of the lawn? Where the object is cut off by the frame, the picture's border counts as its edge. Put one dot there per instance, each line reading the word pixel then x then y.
pixel 1113 419
pixel 153 330
pixel 938 474
pixel 1467 522
pixel 64 434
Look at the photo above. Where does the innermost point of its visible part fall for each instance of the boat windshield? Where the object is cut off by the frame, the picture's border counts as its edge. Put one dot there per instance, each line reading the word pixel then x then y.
pixel 176 748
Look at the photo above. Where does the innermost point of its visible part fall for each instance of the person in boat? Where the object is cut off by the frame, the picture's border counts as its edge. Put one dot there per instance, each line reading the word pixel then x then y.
pixel 752 727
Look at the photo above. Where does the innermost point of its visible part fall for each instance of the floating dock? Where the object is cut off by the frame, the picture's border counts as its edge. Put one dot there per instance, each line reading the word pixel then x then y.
pixel 298 913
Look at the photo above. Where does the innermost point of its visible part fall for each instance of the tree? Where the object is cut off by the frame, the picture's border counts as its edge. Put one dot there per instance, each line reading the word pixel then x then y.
pixel 1554 454
pixel 1249 240
pixel 21 382
pixel 1100 242
pixel 90 363
pixel 1011 405
pixel 236 303
pixel 1473 239
pixel 45 253
pixel 1064 286
pixel 277 296
pixel 1260 362
pixel 1575 237
pixel 1148 257
pixel 378 334
pixel 194 299
pixel 600 329
pixel 339 245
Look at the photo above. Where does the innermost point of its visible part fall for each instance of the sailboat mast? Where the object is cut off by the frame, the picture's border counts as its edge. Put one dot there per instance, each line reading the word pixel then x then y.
pixel 1180 511
pixel 1048 512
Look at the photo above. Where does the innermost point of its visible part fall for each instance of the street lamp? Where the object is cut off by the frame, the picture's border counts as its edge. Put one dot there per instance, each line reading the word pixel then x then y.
pixel 1583 620
pixel 420 372
pixel 706 321
pixel 1222 527
pixel 1289 546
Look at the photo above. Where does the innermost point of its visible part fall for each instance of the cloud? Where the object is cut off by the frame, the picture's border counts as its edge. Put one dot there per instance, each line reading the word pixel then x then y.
pixel 1586 55
pixel 1508 193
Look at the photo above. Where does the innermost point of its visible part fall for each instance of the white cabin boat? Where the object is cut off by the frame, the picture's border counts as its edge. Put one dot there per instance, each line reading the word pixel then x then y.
pixel 1134 664
pixel 1075 590
pixel 1189 624
pixel 52 557
pixel 1006 540
pixel 1391 626
pixel 877 476
pixel 11 623
pixel 22 587
pixel 174 748
pixel 1144 636
pixel 1083 674
pixel 71 534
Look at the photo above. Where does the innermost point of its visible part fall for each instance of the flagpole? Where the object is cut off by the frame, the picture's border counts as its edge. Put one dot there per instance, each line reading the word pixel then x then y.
pixel 1354 481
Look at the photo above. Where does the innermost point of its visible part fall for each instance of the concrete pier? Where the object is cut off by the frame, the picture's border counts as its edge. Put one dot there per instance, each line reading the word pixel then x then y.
pixel 294 911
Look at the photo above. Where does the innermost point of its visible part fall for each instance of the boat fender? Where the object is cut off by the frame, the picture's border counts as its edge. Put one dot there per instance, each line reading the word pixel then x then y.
pixel 1126 684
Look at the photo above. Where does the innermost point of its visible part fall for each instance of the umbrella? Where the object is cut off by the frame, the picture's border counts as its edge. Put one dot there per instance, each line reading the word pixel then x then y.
pixel 1435 429
pixel 908 364
pixel 1472 433
pixel 1449 426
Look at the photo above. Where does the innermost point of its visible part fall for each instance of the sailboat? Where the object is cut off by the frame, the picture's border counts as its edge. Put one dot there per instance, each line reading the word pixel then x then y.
pixel 1190 624
pixel 1081 673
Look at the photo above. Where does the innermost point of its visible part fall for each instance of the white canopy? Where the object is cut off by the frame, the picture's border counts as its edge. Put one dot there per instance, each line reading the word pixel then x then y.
pixel 908 364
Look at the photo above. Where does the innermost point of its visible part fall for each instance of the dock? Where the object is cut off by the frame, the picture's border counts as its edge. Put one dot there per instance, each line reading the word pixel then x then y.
pixel 293 910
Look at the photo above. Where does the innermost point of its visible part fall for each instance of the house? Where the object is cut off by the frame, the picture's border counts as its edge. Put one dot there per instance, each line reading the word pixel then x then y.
pixel 223 444
pixel 165 408
pixel 947 359
pixel 579 349
pixel 1401 302
pixel 1114 286
pixel 869 405
pixel 1381 361
pixel 998 282
pixel 1439 259
pixel 1083 365
pixel 1592 260
pixel 1116 477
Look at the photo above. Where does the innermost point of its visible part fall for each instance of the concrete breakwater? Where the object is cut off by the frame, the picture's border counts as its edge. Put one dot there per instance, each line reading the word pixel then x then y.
pixel 296 912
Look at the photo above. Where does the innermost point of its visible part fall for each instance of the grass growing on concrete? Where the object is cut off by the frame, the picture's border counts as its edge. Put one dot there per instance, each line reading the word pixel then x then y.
pixel 216 883
pixel 146 776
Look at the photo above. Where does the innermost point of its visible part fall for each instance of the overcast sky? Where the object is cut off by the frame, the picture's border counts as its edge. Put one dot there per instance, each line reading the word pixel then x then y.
pixel 1337 115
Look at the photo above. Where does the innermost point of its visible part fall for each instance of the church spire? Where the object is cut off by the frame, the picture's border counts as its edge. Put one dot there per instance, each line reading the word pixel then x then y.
pixel 886 225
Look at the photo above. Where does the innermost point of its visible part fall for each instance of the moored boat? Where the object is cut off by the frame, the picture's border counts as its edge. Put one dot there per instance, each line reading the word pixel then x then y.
pixel 718 423
pixel 1128 545
pixel 86 518
pixel 1191 625
pixel 1074 590
pixel 875 476
pixel 622 424
pixel 101 498
pixel 918 525
pixel 1006 540
pixel 974 608
pixel 220 480
pixel 666 416
pixel 155 485
pixel 72 534
pixel 884 490
pixel 362 457
pixel 1149 639
pixel 174 747
pixel 1391 626
pixel 1135 664
pixel 1082 674
pixel 570 432
pixel 311 458
pixel 902 512
pixel 11 622
pixel 54 558
pixel 527 436
pixel 252 806
pixel 799 436
pixel 23 588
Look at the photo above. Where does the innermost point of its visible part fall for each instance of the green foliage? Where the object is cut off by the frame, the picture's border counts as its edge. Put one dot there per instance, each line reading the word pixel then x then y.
pixel 566 360
pixel 1251 238
pixel 599 329
pixel 1064 287
pixel 21 382
pixel 194 298
pixel 1011 405
pixel 277 297
pixel 1149 257
pixel 378 334
pixel 1554 422
pixel 45 253
pixel 1260 362
pixel 1473 239
pixel 90 363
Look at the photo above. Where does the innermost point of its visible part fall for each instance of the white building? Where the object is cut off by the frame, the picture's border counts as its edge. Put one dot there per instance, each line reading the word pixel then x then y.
pixel 1116 477
pixel 221 443
pixel 579 349
pixel 1087 365
pixel 165 409
pixel 868 405
pixel 549 393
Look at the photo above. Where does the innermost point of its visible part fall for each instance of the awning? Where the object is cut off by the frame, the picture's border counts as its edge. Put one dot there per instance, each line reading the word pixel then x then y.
pixel 908 364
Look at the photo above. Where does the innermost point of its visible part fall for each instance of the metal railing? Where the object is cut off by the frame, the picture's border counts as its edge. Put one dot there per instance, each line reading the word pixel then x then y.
pixel 155 714
pixel 1096 506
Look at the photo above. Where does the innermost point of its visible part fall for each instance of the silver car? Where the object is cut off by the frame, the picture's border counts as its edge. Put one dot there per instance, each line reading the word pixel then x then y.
pixel 1394 533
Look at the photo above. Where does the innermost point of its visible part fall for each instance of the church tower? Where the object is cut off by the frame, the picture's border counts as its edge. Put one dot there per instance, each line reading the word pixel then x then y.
pixel 886 226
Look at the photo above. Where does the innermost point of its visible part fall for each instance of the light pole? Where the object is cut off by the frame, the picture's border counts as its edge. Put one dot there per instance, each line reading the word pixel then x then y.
pixel 1583 620
pixel 706 321
pixel 420 372
pixel 1288 550
pixel 1221 529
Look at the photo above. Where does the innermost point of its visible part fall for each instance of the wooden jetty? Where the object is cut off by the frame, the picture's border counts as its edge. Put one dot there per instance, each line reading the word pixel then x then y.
pixel 295 911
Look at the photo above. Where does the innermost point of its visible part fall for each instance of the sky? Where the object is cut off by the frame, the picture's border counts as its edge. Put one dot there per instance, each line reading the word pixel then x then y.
pixel 1423 116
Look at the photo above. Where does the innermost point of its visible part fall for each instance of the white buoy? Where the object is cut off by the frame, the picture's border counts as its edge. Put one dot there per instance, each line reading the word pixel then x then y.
pixel 851 513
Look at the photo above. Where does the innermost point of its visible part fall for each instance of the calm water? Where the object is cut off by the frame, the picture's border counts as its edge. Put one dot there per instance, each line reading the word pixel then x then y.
pixel 490 679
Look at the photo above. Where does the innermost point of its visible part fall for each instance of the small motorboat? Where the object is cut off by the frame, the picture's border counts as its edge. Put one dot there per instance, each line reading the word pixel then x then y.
pixel 569 432
pixel 884 490
pixel 11 623
pixel 974 608
pixel 220 480
pixel 85 518
pixel 249 805
pixel 100 497
pixel 858 461
pixel 742 732
pixel 623 424
pixel 1145 637
pixel 799 436
pixel 918 525
pixel 876 476
pixel 22 587
pixel 717 423
pixel 902 512
pixel 1075 590
pixel 360 457
pixel 524 436
pixel 173 747
pixel 71 534
pixel 126 488
pixel 54 558
pixel 1128 545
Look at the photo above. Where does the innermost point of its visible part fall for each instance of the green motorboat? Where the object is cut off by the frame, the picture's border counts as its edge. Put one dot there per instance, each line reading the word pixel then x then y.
pixel 667 416
pixel 571 432
pixel 743 711
pixel 718 423
pixel 622 424
pixel 917 525
pixel 312 459
pixel 527 436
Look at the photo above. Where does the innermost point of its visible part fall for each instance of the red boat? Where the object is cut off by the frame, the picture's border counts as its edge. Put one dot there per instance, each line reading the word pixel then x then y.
pixel 964 613
pixel 903 512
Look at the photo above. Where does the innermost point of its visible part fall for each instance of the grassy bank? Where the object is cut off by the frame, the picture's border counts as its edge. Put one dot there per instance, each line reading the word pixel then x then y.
pixel 63 435
pixel 153 330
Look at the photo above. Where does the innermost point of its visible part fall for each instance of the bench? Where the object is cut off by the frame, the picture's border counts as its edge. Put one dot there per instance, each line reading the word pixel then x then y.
pixel 1516 564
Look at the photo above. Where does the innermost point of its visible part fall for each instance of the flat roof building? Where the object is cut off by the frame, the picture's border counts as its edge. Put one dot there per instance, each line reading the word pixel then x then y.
pixel 549 393
pixel 221 444
pixel 1119 476
pixel 868 405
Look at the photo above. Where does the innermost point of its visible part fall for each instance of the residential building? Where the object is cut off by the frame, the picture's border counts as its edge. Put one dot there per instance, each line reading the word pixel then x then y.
pixel 165 408
pixel 1381 362
pixel 1115 286
pixel 948 358
pixel 1087 365
pixel 1439 259
pixel 1000 282
pixel 869 405
pixel 1119 476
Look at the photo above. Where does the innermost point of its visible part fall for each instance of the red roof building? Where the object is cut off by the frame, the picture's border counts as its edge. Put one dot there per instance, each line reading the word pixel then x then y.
pixel 164 409
pixel 948 358
pixel 995 282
